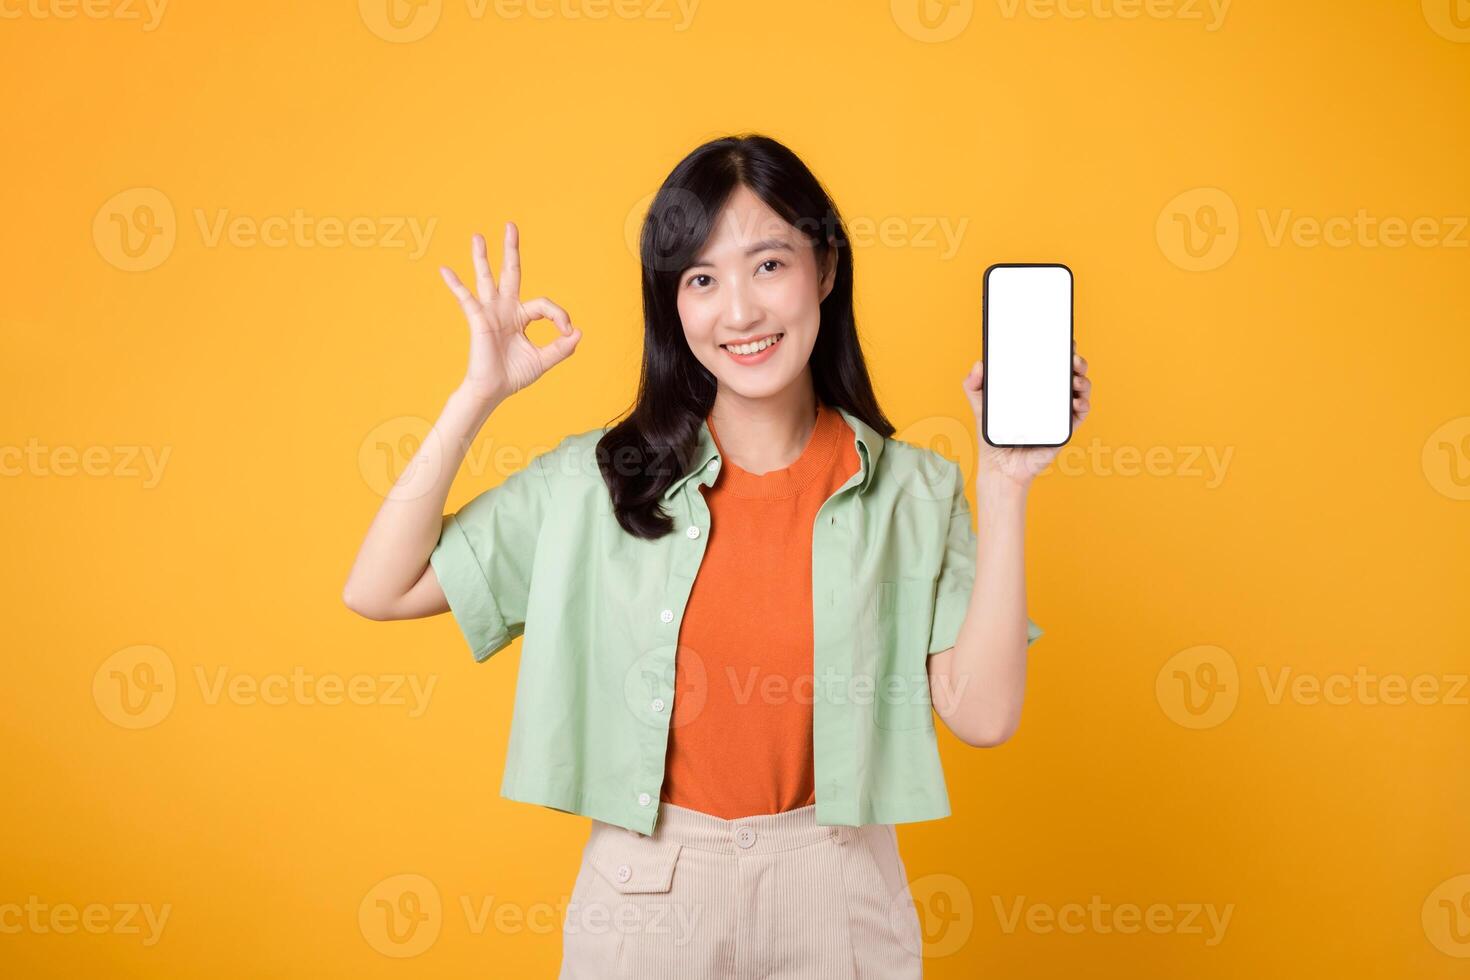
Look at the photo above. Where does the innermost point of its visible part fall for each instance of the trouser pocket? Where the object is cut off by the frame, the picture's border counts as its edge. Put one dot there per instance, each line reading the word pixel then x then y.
pixel 589 945
pixel 626 918
pixel 882 920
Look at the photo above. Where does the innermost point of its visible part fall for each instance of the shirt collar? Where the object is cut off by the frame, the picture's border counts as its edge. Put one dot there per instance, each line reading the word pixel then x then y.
pixel 868 442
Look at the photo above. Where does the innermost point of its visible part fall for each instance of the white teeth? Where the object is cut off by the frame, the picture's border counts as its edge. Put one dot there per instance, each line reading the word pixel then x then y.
pixel 754 348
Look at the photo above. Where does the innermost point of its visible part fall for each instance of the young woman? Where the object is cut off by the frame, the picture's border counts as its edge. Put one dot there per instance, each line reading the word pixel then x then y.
pixel 741 606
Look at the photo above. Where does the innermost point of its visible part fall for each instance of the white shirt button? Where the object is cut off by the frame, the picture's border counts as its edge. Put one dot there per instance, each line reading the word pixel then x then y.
pixel 667 615
pixel 744 836
pixel 713 465
pixel 644 799
pixel 693 531
pixel 658 704
pixel 624 872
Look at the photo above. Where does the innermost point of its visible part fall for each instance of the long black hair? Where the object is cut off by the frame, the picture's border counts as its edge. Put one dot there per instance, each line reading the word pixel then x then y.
pixel 675 391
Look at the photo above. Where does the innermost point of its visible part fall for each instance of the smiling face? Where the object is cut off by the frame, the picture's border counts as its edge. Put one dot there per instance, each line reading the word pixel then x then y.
pixel 756 281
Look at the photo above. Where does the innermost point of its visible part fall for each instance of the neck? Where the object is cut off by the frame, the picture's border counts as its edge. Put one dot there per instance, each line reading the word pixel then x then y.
pixel 764 434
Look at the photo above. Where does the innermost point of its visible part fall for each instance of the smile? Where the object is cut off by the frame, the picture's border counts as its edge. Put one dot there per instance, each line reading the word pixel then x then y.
pixel 749 353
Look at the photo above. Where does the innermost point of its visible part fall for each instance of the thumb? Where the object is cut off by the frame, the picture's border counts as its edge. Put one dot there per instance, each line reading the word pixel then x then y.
pixel 559 349
pixel 973 383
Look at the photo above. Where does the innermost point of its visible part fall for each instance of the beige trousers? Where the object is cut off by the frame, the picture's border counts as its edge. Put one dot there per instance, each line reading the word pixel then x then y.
pixel 774 896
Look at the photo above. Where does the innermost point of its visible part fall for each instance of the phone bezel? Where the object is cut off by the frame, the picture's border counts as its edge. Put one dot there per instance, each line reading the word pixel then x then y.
pixel 985 349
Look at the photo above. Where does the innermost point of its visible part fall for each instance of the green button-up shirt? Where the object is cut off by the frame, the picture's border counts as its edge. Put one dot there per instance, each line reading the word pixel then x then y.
pixel 893 562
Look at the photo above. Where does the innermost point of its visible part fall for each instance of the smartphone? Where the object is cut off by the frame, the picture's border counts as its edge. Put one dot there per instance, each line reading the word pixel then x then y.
pixel 1027 342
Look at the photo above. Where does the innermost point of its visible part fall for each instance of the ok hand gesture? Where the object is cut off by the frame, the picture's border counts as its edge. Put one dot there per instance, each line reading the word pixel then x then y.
pixel 503 360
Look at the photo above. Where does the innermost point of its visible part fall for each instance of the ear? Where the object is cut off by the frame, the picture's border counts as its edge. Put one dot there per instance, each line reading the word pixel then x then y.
pixel 829 270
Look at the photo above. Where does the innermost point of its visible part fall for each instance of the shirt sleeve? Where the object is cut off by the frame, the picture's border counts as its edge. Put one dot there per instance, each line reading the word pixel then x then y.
pixel 484 555
pixel 957 573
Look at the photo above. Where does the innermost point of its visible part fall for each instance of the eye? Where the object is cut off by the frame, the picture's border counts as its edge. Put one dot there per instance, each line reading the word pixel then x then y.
pixel 691 280
pixel 771 262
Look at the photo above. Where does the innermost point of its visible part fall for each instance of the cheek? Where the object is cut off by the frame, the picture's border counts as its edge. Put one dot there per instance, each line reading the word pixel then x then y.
pixel 690 316
pixel 796 300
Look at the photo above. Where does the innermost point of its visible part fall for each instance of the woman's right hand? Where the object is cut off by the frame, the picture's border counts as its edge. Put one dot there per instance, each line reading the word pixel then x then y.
pixel 503 360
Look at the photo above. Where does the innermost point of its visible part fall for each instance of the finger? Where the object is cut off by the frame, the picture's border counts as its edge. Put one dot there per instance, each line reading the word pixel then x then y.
pixel 510 263
pixel 542 308
pixel 484 281
pixel 559 348
pixel 1081 382
pixel 472 309
pixel 975 380
pixel 1079 363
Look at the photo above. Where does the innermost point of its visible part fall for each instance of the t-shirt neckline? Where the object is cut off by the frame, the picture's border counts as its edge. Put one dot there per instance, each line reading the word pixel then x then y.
pixel 816 456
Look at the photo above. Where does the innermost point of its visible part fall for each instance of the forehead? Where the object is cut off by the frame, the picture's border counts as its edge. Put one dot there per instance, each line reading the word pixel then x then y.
pixel 744 220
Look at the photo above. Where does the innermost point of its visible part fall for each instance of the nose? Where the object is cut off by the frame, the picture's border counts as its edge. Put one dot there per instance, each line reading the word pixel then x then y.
pixel 741 308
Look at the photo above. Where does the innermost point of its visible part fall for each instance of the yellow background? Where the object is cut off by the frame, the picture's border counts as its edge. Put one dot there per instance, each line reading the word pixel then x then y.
pixel 1333 543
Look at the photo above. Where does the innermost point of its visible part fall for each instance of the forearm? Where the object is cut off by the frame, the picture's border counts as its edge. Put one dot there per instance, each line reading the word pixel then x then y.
pixel 396 549
pixel 987 675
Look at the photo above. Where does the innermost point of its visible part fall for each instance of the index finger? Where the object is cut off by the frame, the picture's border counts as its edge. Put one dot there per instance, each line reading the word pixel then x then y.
pixel 484 281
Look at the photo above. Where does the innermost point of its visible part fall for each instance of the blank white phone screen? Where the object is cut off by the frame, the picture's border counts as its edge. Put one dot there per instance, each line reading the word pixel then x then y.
pixel 1028 355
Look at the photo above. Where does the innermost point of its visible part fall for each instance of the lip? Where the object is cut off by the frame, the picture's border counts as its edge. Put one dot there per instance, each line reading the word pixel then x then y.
pixel 756 358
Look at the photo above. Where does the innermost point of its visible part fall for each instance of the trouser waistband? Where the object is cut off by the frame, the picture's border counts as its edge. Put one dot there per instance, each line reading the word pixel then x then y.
pixel 760 833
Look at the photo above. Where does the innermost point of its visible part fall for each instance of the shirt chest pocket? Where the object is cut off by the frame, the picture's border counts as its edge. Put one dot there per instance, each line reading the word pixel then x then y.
pixel 901 698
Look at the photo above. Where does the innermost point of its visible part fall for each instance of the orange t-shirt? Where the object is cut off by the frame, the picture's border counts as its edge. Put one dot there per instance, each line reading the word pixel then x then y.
pixel 740 736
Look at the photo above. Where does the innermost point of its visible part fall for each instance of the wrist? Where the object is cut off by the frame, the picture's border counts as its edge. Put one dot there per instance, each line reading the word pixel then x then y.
pixel 1001 488
pixel 477 403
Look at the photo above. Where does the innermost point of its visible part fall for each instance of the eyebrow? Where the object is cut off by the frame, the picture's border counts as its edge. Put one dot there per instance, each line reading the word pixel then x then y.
pixel 761 246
